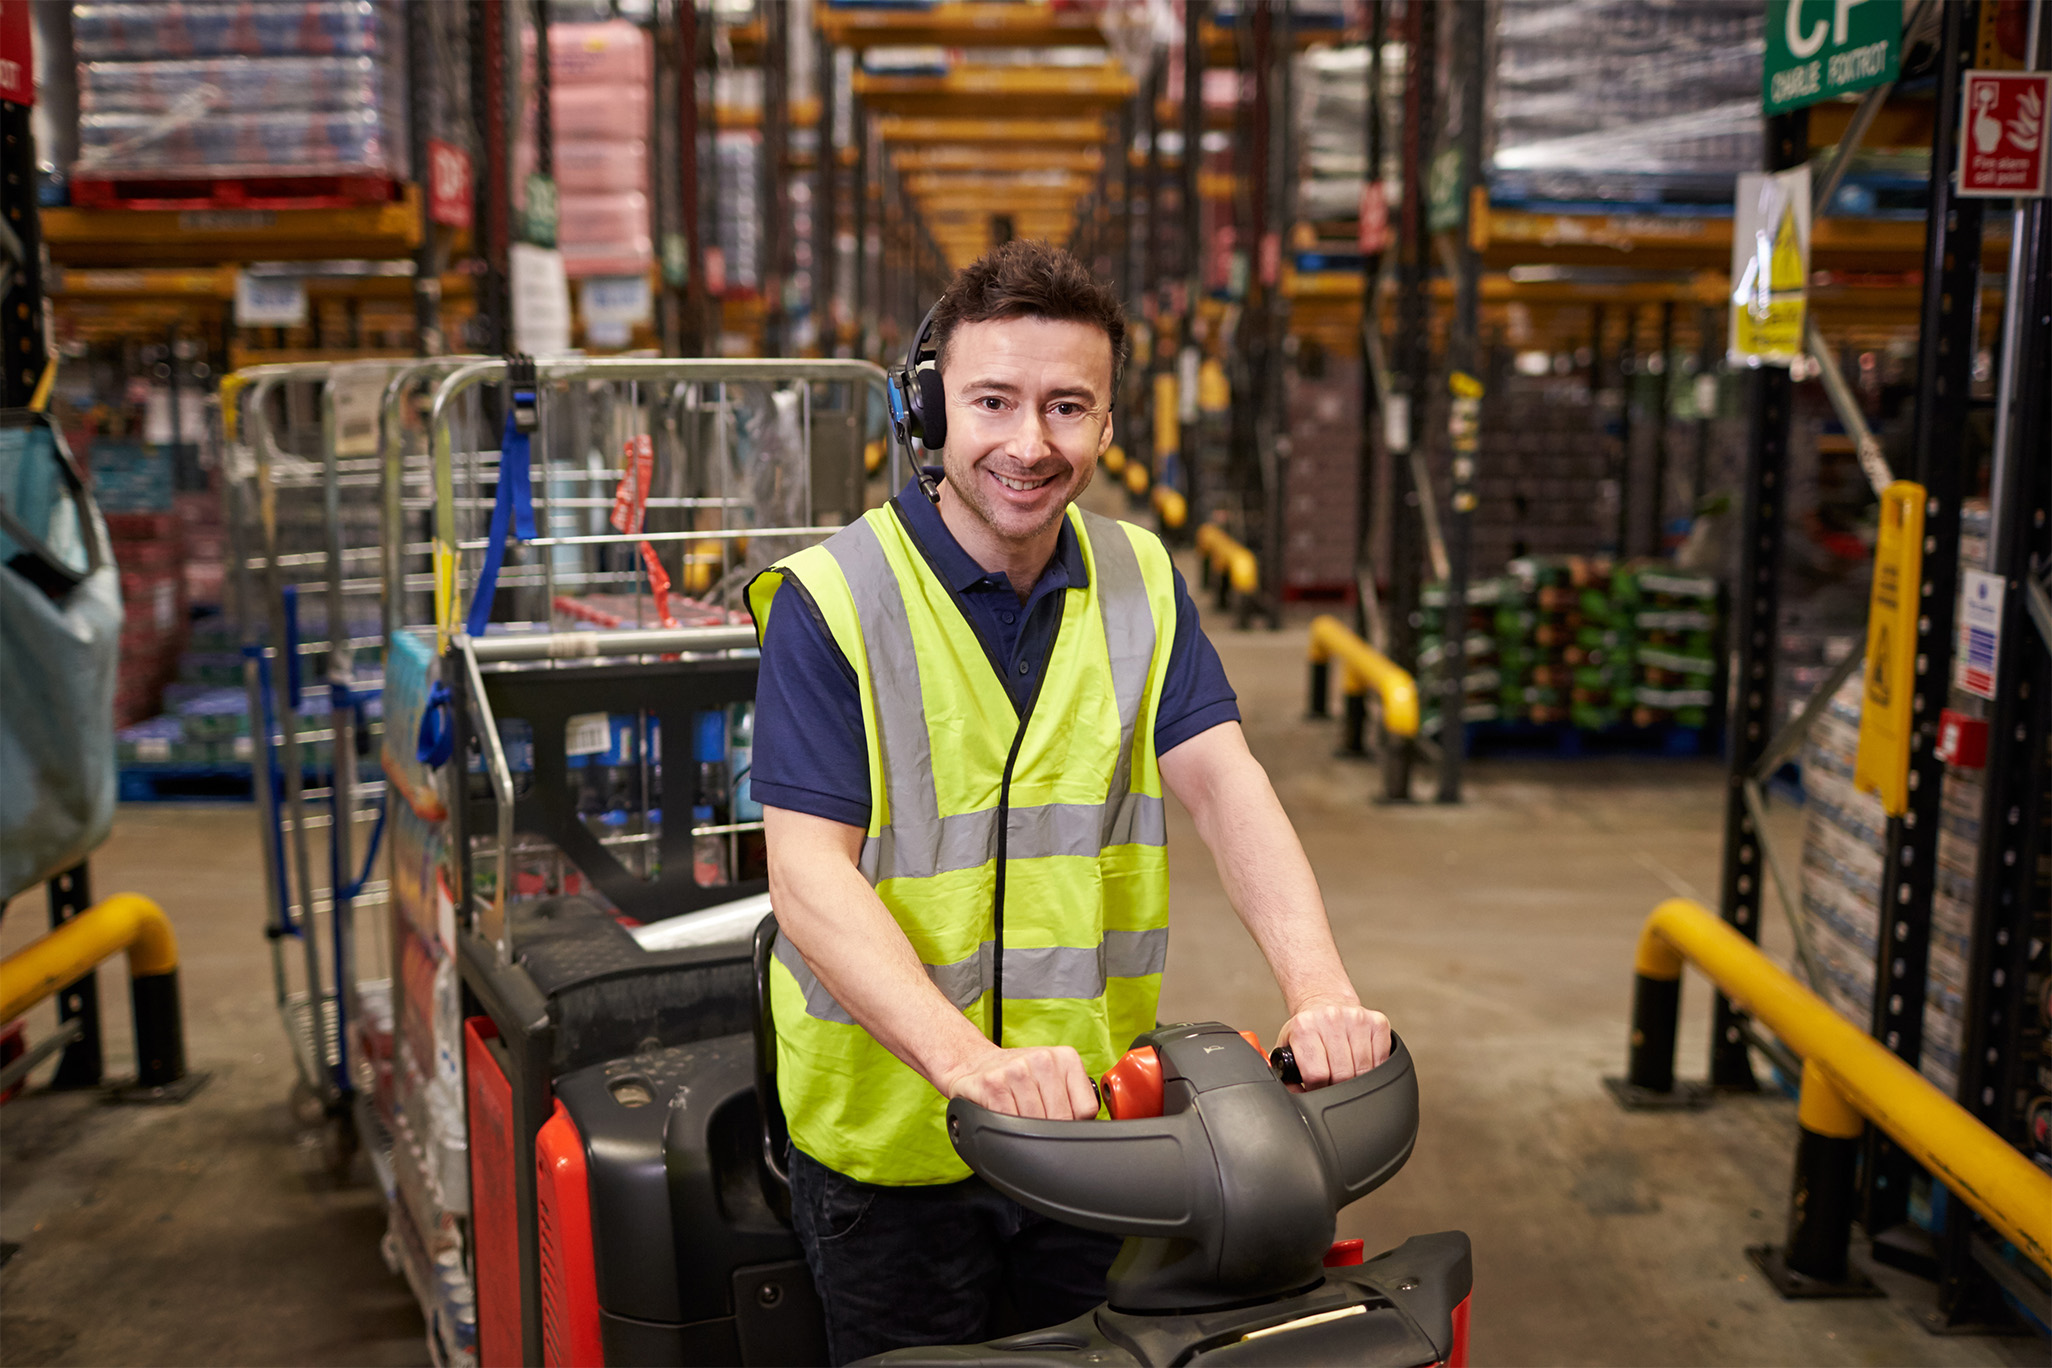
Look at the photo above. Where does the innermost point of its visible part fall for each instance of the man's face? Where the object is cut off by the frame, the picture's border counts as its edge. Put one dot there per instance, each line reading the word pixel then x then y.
pixel 1029 413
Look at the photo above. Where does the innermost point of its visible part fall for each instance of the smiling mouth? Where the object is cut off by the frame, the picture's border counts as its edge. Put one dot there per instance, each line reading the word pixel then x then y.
pixel 1023 486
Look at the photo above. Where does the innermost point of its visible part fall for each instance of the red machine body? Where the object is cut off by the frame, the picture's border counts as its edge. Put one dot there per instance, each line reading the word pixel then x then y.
pixel 569 1276
pixel 494 1199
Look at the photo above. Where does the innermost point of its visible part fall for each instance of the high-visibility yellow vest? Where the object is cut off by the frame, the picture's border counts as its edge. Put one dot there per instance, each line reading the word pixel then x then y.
pixel 1052 822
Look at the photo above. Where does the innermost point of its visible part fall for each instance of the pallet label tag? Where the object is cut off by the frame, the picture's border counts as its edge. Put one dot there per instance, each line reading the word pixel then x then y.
pixel 1881 766
pixel 1980 633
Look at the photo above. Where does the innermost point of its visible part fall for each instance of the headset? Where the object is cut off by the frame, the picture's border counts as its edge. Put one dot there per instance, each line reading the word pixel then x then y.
pixel 919 405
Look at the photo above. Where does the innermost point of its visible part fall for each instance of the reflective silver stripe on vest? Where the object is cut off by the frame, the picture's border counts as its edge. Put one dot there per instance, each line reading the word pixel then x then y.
pixel 1130 634
pixel 1048 972
pixel 902 741
pixel 918 842
pixel 968 840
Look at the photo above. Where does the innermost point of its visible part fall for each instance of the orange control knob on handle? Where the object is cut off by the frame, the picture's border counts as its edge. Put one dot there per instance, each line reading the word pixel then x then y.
pixel 1131 1088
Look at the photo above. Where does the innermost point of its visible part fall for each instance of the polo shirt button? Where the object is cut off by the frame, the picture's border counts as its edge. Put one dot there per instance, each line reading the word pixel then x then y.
pixel 1024 667
pixel 1008 618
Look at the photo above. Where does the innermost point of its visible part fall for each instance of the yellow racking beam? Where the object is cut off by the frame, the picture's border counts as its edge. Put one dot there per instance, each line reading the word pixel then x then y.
pixel 961 25
pixel 167 237
pixel 999 91
pixel 901 130
pixel 995 159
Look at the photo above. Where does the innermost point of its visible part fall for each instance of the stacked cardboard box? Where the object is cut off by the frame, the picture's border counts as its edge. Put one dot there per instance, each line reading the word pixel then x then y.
pixel 1841 870
pixel 1962 799
pixel 205 564
pixel 599 99
pixel 1674 645
pixel 206 88
pixel 1647 100
pixel 132 484
pixel 1572 660
pixel 1543 482
pixel 1481 668
pixel 1576 641
pixel 1843 858
pixel 1319 538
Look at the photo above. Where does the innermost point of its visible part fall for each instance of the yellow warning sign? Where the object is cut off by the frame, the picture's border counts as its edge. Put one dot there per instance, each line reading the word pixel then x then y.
pixel 1770 266
pixel 1882 765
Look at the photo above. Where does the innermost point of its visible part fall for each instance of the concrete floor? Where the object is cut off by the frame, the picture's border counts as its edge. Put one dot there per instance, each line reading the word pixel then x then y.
pixel 1497 935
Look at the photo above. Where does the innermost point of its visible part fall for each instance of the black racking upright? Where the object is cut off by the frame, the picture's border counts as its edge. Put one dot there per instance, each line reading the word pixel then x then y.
pixel 1757 601
pixel 1371 324
pixel 2005 1076
pixel 1413 364
pixel 776 172
pixel 1469 55
pixel 1945 360
pixel 491 327
pixel 22 327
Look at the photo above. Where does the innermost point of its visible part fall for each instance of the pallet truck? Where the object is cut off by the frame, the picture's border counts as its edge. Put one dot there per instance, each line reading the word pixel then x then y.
pixel 660 1207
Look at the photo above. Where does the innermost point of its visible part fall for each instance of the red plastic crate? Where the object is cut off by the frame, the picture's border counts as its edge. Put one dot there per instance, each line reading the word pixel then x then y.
pixel 233 192
pixel 142 527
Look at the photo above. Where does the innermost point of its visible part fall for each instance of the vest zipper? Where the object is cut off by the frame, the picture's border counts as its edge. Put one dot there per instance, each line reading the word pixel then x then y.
pixel 997 911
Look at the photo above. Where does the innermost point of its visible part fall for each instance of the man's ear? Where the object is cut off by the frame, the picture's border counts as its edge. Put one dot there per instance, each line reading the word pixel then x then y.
pixel 1104 439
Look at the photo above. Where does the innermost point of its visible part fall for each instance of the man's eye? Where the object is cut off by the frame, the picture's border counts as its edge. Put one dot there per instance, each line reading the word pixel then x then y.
pixel 991 403
pixel 1068 410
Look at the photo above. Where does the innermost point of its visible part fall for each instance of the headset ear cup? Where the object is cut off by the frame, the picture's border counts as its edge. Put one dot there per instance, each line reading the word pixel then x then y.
pixel 932 408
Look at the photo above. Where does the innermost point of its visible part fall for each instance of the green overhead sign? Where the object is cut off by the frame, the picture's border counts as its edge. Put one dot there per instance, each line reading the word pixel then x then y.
pixel 1820 49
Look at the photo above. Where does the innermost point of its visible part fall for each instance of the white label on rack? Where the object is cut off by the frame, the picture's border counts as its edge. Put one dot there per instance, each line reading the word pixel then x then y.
pixel 541 300
pixel 269 301
pixel 243 748
pixel 587 734
pixel 623 300
pixel 153 750
pixel 1396 423
pixel 1980 633
pixel 358 389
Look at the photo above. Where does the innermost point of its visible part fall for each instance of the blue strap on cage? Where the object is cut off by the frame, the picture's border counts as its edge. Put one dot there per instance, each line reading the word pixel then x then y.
pixel 356 700
pixel 435 742
pixel 513 506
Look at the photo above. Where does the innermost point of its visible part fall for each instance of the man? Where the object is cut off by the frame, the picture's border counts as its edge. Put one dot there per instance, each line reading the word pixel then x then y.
pixel 967 712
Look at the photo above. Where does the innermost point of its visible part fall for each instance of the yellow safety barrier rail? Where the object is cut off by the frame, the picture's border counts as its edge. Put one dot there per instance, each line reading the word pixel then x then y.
pixel 1173 508
pixel 1362 668
pixel 1227 563
pixel 1848 1078
pixel 126 921
pixel 1233 572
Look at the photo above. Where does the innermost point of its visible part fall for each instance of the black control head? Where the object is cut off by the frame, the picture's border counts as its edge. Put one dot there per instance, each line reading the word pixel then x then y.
pixel 1230 1196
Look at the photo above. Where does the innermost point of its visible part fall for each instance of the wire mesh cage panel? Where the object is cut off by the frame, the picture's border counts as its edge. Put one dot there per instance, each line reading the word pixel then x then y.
pixel 591 528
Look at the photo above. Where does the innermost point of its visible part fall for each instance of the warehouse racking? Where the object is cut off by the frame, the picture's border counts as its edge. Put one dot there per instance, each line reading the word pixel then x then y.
pixel 811 183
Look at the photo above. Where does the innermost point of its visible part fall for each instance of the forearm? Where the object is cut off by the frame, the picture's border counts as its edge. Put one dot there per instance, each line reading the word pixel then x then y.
pixel 1262 865
pixel 856 949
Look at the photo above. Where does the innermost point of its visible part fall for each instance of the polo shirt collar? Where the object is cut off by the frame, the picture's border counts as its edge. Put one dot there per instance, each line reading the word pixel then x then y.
pixel 956 566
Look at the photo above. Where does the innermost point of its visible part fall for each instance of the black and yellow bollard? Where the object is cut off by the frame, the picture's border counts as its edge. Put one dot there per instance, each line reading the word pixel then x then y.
pixel 126 921
pixel 1649 1083
pixel 1820 1210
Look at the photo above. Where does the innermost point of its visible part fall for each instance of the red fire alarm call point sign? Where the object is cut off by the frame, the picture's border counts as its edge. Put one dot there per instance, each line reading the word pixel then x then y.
pixel 2003 146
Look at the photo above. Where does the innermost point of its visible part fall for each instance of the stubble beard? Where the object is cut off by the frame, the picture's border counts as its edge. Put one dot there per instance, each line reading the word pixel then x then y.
pixel 968 484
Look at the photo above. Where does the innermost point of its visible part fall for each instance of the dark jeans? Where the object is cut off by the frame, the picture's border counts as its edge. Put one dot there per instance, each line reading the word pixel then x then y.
pixel 901 1266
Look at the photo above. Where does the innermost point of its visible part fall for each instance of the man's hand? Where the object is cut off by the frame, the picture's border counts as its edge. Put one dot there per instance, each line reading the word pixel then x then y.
pixel 1045 1082
pixel 1334 1040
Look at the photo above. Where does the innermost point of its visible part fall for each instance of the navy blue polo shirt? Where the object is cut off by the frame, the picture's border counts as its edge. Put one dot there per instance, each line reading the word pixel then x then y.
pixel 810 755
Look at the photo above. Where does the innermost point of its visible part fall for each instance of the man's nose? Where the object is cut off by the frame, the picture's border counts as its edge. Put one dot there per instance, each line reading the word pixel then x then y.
pixel 1033 438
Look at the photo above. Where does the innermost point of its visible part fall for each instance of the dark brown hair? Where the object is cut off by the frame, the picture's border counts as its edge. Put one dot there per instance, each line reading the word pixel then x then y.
pixel 1023 279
